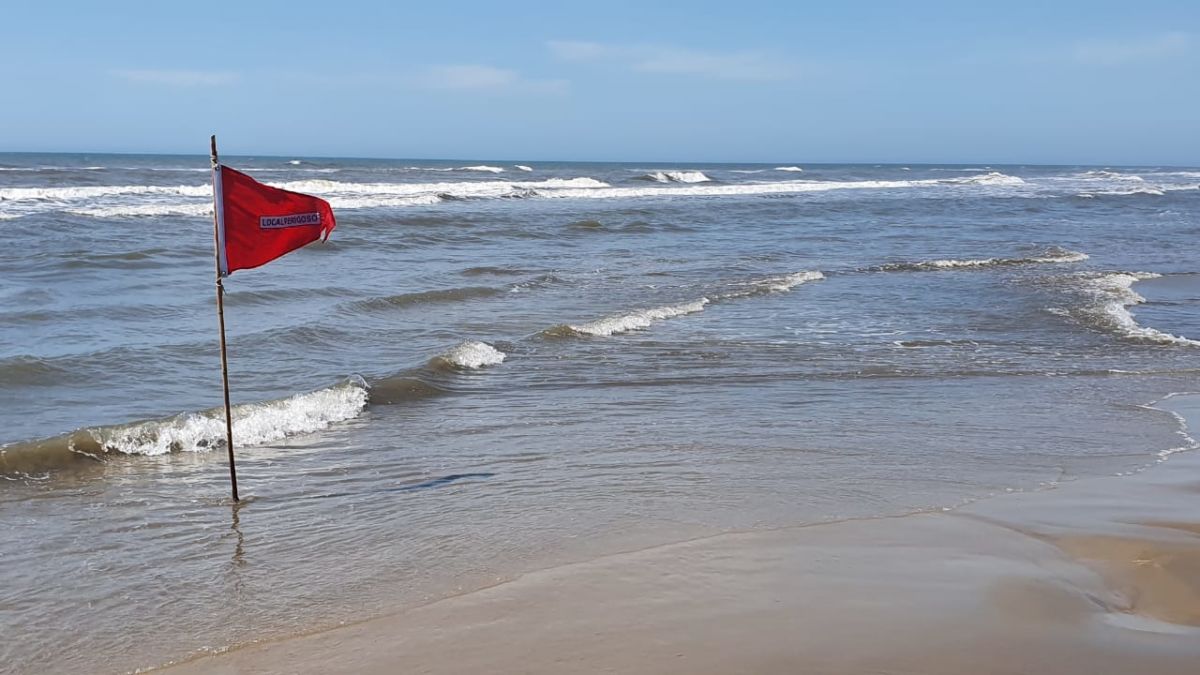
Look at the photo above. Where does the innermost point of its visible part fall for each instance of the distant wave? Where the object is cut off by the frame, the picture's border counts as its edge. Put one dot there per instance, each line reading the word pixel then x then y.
pixel 482 167
pixel 990 178
pixel 76 193
pixel 522 167
pixel 470 355
pixel 469 189
pixel 1105 304
pixel 193 200
pixel 1139 190
pixel 1111 175
pixel 143 210
pixel 676 177
pixel 38 169
pixel 1051 255
pixel 794 169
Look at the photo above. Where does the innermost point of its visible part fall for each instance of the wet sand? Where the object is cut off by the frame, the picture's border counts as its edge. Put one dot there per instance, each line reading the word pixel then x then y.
pixel 1094 576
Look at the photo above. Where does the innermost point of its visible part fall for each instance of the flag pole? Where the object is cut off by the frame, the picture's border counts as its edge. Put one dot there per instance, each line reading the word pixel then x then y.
pixel 217 206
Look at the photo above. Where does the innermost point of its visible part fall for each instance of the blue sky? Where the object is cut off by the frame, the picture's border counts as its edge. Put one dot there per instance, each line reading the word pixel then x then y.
pixel 1045 82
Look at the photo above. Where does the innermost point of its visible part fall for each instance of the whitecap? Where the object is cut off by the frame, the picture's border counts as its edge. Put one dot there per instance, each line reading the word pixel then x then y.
pixel 1107 302
pixel 638 319
pixel 677 177
pixel 253 423
pixel 471 355
pixel 1050 256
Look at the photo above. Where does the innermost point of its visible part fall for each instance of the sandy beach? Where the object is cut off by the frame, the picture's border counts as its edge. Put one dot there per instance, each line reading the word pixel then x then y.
pixel 1093 576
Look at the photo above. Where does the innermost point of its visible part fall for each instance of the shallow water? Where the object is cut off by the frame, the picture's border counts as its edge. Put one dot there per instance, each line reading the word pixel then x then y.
pixel 485 372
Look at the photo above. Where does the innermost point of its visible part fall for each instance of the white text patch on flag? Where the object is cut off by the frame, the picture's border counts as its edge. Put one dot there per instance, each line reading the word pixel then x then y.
pixel 295 220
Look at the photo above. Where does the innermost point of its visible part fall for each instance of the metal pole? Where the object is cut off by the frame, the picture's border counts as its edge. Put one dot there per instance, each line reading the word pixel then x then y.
pixel 221 317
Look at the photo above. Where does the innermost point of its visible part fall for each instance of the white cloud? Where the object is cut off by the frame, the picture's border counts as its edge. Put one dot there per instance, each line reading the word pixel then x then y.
pixel 177 78
pixel 1121 52
pixel 745 65
pixel 478 77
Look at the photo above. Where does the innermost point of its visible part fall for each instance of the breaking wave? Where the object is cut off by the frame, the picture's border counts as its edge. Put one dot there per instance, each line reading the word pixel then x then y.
pixel 144 210
pixel 194 200
pixel 78 193
pixel 1106 300
pixel 622 323
pixel 643 318
pixel 470 355
pixel 522 167
pixel 793 169
pixel 676 177
pixel 1137 190
pixel 482 167
pixel 253 424
pixel 773 284
pixel 990 178
pixel 1051 255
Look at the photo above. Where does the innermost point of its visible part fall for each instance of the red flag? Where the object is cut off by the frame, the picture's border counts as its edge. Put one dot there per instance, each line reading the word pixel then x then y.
pixel 257 223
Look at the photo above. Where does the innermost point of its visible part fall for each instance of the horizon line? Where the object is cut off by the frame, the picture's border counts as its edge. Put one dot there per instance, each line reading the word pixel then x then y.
pixel 599 161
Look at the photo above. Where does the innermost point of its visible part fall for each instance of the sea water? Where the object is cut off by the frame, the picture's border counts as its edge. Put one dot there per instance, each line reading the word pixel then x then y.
pixel 494 367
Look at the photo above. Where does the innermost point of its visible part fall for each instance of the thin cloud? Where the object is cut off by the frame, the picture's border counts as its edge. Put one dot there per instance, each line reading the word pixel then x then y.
pixel 177 78
pixel 485 78
pixel 1137 50
pixel 743 65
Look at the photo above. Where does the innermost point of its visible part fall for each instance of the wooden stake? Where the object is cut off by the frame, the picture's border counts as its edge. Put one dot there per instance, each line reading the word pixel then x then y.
pixel 221 314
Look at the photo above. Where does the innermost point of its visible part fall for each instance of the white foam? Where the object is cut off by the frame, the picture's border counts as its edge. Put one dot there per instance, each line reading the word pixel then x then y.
pixel 482 167
pixel 788 282
pixel 480 189
pixel 785 187
pixel 522 167
pixel 638 319
pixel 1154 191
pixel 1052 256
pixel 253 423
pixel 793 169
pixel 134 200
pixel 1059 256
pixel 780 284
pixel 1110 175
pixel 140 210
pixel 386 201
pixel 78 193
pixel 678 177
pixel 472 355
pixel 990 178
pixel 1112 296
pixel 294 162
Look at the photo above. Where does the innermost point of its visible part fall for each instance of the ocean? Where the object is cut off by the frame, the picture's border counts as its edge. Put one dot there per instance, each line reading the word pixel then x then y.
pixel 497 367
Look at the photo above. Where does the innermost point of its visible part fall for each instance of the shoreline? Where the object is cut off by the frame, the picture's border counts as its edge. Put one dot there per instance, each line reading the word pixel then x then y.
pixel 1096 575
